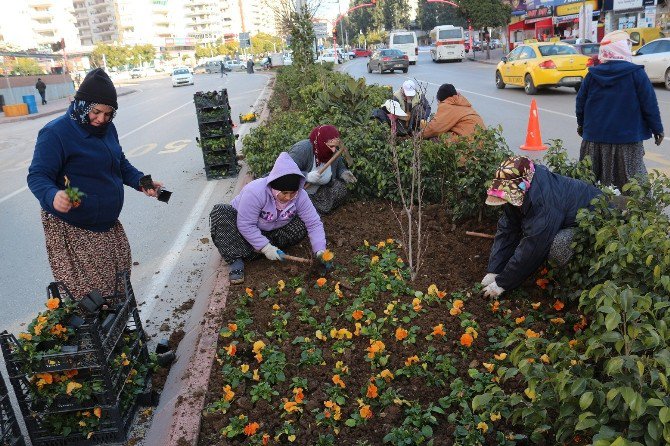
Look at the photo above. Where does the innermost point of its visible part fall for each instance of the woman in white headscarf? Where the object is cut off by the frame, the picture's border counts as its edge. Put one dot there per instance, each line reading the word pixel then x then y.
pixel 616 111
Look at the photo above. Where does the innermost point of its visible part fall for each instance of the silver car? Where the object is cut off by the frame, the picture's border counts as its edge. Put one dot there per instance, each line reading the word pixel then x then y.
pixel 388 60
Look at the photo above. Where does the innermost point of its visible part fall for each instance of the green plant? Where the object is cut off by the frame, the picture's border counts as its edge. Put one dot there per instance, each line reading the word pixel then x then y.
pixel 556 158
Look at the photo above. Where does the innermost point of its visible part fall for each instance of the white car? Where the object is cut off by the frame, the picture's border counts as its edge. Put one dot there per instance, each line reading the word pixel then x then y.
pixel 327 56
pixel 182 76
pixel 137 73
pixel 655 57
pixel 236 65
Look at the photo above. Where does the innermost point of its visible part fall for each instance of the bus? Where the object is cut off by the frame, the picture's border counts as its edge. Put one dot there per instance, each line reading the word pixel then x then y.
pixel 406 42
pixel 447 43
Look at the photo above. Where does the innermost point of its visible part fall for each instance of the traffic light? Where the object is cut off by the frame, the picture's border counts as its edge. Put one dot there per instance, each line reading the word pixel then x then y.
pixel 334 33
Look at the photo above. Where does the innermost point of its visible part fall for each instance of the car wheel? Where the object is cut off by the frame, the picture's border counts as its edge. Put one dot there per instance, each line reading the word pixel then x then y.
pixel 404 70
pixel 667 79
pixel 412 63
pixel 500 83
pixel 528 85
pixel 369 69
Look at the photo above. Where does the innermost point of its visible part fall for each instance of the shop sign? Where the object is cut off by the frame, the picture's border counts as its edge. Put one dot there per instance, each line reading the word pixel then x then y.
pixel 542 11
pixel 573 8
pixel 649 2
pixel 621 5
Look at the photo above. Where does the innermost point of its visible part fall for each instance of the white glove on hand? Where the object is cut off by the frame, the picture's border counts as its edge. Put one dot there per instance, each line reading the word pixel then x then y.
pixel 348 177
pixel 493 290
pixel 272 252
pixel 488 279
pixel 314 177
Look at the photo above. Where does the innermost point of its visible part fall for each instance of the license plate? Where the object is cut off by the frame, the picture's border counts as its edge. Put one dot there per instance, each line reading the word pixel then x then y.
pixel 399 65
pixel 572 79
pixel 450 52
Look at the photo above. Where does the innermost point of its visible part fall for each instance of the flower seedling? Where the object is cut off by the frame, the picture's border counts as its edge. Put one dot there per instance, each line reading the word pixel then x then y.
pixel 73 193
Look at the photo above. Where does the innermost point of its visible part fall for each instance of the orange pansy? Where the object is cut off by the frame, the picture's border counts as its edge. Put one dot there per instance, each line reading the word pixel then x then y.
pixel 251 428
pixel 466 339
pixel 400 334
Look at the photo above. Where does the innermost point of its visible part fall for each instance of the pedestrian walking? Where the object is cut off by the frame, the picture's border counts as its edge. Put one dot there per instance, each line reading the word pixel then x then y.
pixel 250 66
pixel 269 215
pixel 223 68
pixel 539 211
pixel 327 190
pixel 616 111
pixel 86 244
pixel 42 89
pixel 455 115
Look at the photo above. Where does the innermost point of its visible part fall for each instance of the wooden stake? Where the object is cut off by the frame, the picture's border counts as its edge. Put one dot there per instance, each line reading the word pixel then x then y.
pixel 479 234
pixel 297 259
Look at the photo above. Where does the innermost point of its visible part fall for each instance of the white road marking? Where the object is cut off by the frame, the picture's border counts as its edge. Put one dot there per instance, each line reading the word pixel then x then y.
pixel 170 259
pixel 16 192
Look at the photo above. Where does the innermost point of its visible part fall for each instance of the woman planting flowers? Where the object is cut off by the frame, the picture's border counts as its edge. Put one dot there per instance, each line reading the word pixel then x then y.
pixel 327 190
pixel 270 214
pixel 537 206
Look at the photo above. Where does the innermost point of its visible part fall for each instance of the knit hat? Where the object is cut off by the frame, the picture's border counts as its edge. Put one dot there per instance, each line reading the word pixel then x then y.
pixel 319 137
pixel 512 181
pixel 97 88
pixel 445 91
pixel 287 183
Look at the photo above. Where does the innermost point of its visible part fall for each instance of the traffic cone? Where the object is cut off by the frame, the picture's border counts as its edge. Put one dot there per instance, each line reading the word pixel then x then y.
pixel 533 136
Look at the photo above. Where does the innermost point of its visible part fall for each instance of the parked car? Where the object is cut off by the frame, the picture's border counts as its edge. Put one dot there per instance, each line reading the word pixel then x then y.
pixel 655 57
pixel 388 60
pixel 546 64
pixel 495 43
pixel 350 54
pixel 182 76
pixel 235 65
pixel 642 36
pixel 360 52
pixel 476 45
pixel 328 56
pixel 137 73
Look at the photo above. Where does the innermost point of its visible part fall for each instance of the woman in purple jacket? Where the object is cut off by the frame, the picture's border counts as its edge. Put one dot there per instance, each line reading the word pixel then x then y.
pixel 270 214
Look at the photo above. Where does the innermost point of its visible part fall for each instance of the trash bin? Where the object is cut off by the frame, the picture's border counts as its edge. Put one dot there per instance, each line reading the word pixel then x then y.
pixel 29 100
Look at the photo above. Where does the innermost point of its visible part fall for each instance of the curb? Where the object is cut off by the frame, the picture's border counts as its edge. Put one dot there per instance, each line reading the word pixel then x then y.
pixel 49 113
pixel 177 422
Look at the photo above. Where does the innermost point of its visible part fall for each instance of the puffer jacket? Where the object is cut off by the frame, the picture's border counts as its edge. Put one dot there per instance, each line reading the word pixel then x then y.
pixel 455 116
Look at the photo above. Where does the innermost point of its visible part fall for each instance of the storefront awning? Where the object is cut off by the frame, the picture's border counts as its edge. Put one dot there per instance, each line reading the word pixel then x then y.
pixel 541 19
pixel 573 17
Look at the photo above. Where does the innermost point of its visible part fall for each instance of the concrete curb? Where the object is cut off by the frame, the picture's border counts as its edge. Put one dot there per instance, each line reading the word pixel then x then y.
pixel 177 421
pixel 49 113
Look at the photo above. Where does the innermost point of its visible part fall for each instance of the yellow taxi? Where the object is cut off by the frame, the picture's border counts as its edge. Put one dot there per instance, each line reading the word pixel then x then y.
pixel 543 64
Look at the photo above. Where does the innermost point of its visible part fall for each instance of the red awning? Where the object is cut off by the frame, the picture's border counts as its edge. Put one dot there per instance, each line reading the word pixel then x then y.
pixel 517 26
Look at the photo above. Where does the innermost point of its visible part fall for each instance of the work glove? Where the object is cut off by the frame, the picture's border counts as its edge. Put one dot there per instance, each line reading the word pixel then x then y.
pixel 327 265
pixel 348 177
pixel 493 290
pixel 489 279
pixel 314 177
pixel 580 130
pixel 658 138
pixel 272 252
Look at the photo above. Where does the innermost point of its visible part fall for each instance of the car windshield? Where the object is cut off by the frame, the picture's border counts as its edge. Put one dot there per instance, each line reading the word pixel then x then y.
pixel 590 49
pixel 450 34
pixel 392 53
pixel 181 71
pixel 556 50
pixel 399 39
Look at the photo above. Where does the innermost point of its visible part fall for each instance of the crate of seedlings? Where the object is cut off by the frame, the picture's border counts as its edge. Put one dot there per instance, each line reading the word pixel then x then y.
pixel 216 140
pixel 10 432
pixel 78 370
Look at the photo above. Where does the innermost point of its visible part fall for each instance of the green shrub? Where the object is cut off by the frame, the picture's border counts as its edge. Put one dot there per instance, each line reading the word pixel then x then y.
pixel 557 160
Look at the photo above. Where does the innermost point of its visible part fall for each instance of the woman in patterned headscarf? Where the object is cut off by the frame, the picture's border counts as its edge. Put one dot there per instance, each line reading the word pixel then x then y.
pixel 616 111
pixel 327 190
pixel 538 206
pixel 86 244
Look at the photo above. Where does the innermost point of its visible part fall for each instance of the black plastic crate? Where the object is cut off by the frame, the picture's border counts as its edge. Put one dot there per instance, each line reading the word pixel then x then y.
pixel 10 432
pixel 94 341
pixel 216 129
pixel 220 144
pixel 209 115
pixel 221 171
pixel 204 99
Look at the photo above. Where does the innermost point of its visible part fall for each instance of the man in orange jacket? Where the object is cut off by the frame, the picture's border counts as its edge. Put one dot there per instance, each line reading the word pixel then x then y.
pixel 455 115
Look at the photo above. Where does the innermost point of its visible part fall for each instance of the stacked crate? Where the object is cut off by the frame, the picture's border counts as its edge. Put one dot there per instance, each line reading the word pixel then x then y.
pixel 10 432
pixel 217 140
pixel 94 353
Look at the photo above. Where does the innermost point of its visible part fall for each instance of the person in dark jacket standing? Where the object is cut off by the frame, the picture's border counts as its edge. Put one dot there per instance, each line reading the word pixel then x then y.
pixel 327 190
pixel 250 66
pixel 42 89
pixel 86 243
pixel 616 111
pixel 539 207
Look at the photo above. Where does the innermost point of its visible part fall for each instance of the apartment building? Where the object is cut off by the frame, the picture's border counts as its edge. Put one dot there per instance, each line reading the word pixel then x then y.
pixel 36 24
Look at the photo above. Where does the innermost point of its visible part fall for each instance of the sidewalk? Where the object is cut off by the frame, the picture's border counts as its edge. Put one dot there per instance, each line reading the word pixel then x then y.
pixel 480 56
pixel 53 107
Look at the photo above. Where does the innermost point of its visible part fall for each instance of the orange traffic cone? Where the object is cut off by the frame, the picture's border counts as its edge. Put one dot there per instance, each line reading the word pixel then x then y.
pixel 533 136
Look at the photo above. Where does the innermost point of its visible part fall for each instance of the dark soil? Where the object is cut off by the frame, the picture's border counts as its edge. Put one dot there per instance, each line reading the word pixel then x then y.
pixel 453 261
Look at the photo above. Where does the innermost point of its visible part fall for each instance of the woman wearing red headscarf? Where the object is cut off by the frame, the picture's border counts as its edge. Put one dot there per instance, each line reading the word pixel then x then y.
pixel 327 190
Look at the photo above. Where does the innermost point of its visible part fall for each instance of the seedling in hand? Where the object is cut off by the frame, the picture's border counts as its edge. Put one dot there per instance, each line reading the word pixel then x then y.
pixel 73 193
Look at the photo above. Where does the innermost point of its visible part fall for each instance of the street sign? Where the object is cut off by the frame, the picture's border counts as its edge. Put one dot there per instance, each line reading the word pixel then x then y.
pixel 320 30
pixel 245 40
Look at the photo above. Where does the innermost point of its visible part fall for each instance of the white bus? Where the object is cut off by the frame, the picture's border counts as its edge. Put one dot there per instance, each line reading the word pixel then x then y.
pixel 406 42
pixel 448 43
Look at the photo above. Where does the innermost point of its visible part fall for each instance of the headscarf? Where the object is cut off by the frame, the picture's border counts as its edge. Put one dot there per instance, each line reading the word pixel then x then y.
pixel 512 181
pixel 319 136
pixel 615 46
pixel 79 111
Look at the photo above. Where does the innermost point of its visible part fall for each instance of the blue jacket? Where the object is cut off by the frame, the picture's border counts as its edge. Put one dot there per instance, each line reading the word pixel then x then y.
pixel 616 104
pixel 525 234
pixel 95 165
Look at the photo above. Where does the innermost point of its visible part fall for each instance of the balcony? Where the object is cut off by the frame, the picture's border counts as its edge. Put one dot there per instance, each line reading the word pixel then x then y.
pixel 40 3
pixel 41 14
pixel 79 6
pixel 107 19
pixel 161 20
pixel 41 28
pixel 82 25
pixel 100 12
pixel 194 12
pixel 199 3
pixel 102 33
